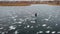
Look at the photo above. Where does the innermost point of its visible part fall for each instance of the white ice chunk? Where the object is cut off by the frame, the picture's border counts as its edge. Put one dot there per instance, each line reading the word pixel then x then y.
pixel 21 19
pixel 44 25
pixel 12 27
pixel 47 31
pixel 56 24
pixel 16 32
pixel 48 27
pixel 28 26
pixel 13 17
pixel 32 21
pixel 58 32
pixel 19 22
pixel 2 32
pixel 46 19
pixel 53 32
pixel 40 32
pixel 31 26
pixel 1 28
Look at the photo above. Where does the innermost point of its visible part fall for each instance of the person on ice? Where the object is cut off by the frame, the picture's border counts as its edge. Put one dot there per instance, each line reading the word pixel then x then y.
pixel 35 14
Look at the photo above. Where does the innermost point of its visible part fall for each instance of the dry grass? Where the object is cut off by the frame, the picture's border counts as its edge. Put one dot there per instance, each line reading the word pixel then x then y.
pixel 26 3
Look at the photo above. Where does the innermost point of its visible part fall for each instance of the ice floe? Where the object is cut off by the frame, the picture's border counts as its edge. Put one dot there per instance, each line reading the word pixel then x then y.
pixel 53 32
pixel 21 19
pixel 40 32
pixel 12 27
pixel 56 24
pixel 32 21
pixel 19 22
pixel 58 32
pixel 46 19
pixel 13 17
pixel 31 26
pixel 49 27
pixel 47 31
pixel 28 26
pixel 44 25
pixel 1 28
pixel 16 32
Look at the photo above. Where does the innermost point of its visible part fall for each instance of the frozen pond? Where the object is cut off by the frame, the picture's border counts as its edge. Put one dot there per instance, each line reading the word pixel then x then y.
pixel 21 19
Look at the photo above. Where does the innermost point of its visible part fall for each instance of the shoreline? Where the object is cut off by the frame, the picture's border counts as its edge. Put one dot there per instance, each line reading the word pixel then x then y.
pixel 28 3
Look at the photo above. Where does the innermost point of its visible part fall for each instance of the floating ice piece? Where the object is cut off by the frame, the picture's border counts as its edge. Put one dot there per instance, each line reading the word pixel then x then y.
pixel 47 31
pixel 48 27
pixel 46 19
pixel 31 26
pixel 44 25
pixel 24 27
pixel 40 32
pixel 32 21
pixel 12 27
pixel 13 17
pixel 58 32
pixel 56 24
pixel 2 32
pixel 16 32
pixel 53 32
pixel 28 26
pixel 19 22
pixel 1 28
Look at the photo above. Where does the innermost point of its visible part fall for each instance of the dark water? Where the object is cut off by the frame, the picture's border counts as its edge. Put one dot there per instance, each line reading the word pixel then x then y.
pixel 21 19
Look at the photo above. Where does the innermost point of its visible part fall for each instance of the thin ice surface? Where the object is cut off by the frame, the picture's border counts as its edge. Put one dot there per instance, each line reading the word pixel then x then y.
pixel 21 20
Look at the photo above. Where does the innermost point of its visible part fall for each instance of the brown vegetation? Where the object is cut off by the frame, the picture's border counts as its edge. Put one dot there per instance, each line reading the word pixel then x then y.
pixel 26 3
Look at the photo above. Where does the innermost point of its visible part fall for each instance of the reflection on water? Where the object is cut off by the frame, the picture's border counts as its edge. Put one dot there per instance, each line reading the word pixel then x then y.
pixel 22 19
